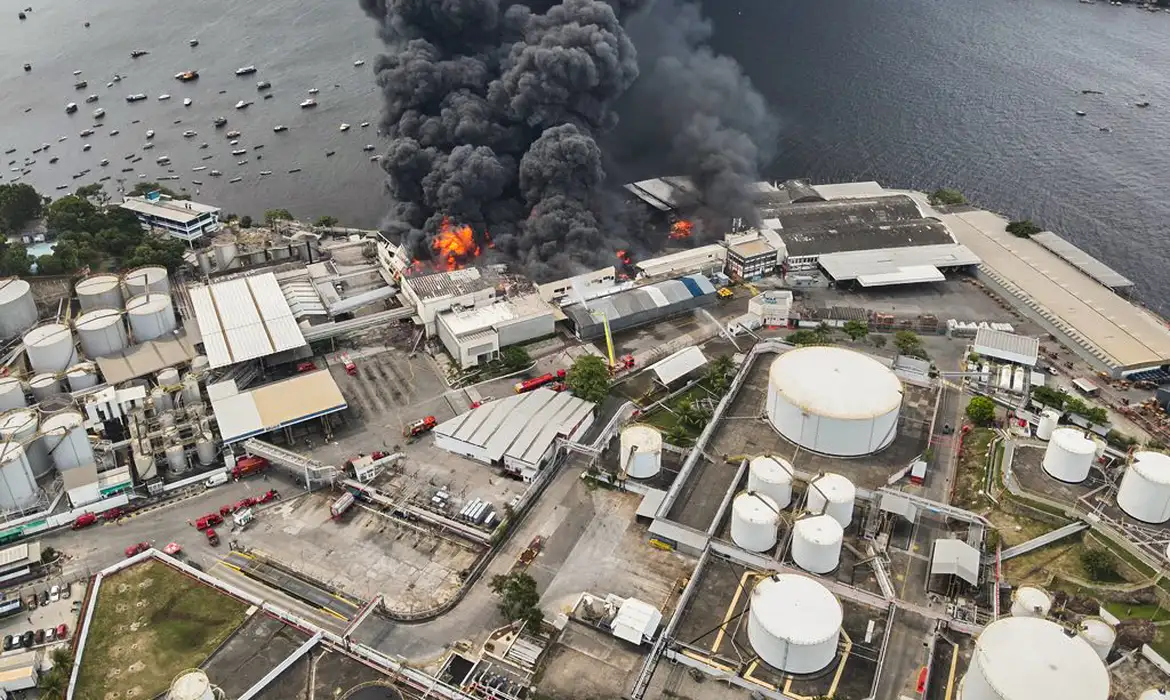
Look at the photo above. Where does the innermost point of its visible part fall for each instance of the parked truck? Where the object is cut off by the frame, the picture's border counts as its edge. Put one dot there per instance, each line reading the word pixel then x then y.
pixel 537 382
pixel 339 507
pixel 248 466
pixel 419 427
pixel 212 537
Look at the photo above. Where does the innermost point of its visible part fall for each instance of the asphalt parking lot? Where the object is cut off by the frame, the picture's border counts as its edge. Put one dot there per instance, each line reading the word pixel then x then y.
pixel 43 617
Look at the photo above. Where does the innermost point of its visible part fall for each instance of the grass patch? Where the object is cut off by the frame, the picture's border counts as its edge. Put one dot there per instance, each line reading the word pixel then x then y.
pixel 972 470
pixel 150 623
pixel 1124 611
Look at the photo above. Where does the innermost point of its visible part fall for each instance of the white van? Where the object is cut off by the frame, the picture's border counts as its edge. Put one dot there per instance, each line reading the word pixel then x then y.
pixel 217 479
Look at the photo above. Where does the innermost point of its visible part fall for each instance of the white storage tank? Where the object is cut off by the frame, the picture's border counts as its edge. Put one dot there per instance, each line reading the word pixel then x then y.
pixel 1099 634
pixel 205 449
pixel 1155 694
pixel 151 316
pixel 12 394
pixel 641 451
pixel 1028 658
pixel 772 477
pixel 191 685
pixel 168 377
pixel 18 309
pixel 1145 488
pixel 67 441
pixel 794 623
pixel 816 543
pixel 833 495
pixel 102 291
pixel 1069 455
pixel 145 467
pixel 101 332
pixel 83 375
pixel 18 487
pixel 1030 601
pixel 20 426
pixel 1049 419
pixel 833 401
pixel 755 518
pixel 151 279
pixel 161 399
pixel 200 363
pixel 50 348
pixel 176 459
pixel 1018 380
pixel 1005 377
pixel 225 249
pixel 191 395
pixel 45 385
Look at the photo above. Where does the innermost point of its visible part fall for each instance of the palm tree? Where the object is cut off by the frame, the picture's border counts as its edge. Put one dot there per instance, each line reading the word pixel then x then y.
pixel 719 373
pixel 54 683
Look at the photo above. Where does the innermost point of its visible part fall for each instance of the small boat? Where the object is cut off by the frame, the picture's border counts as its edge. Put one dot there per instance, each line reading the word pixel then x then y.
pixel 1080 113
pixel 127 170
pixel 99 113
pixel 242 104
pixel 61 138
pixel 219 121
pixel 10 151
pixel 215 173
pixel 374 159
pixel 368 147
pixel 1092 92
pixel 239 152
pixel 136 159
pixel 189 134
pixel 265 172
pixel 138 53
pixel 313 91
pixel 268 95
pixel 147 146
pixel 150 133
pixel 86 132
pixel 21 15
pixel 52 160
pixel 193 42
pixel 364 124
pixel 204 146
pixel 59 187
pixel 246 70
pixel 257 147
pixel 359 62
pixel 80 85
pixel 162 160
pixel 237 178
pixel 86 147
pixel 164 97
pixel 198 168
pixel 103 162
pixel 208 157
pixel 1104 128
pixel 27 67
pixel 115 132
pixel 136 97
pixel 263 85
pixel 343 127
pixel 1142 104
pixel 117 78
pixel 76 72
pixel 279 128
pixel 187 76
pixel 90 99
pixel 130 156
pixel 242 162
pixel 234 142
pixel 329 154
pixel 295 170
pixel 232 134
pixel 110 84
pixel 71 108
pixel 197 182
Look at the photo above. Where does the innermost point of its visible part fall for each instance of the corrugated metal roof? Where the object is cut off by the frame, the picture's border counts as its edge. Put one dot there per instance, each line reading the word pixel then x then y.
pixel 519 427
pixel 272 406
pixel 244 318
pixel 914 274
pixel 1007 346
pixel 1082 261
pixel 680 363
pixel 852 264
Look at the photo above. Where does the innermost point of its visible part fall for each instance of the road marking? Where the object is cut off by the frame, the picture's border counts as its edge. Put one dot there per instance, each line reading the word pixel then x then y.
pixel 731 610
pixel 338 615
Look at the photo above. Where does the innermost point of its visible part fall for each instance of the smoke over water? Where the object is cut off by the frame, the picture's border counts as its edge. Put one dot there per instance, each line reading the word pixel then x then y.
pixel 498 112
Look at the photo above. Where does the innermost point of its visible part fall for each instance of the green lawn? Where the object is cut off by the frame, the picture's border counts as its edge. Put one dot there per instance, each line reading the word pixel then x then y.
pixel 1145 612
pixel 150 623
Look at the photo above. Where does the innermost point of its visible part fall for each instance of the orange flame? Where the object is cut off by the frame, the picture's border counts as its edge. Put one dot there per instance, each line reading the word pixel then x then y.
pixel 454 244
pixel 681 229
pixel 623 256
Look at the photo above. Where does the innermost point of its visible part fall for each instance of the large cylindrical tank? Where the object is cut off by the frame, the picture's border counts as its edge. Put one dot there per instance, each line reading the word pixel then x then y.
pixel 151 279
pixel 1049 419
pixel 18 487
pixel 205 449
pixel 168 377
pixel 45 385
pixel 1069 455
pixel 1018 380
pixel 83 375
pixel 1145 488
pixel 101 332
pixel 833 495
pixel 833 401
pixel 1099 634
pixel 1005 377
pixel 225 249
pixel 18 309
pixel 151 316
pixel 101 291
pixel 67 440
pixel 191 685
pixel 1030 601
pixel 641 451
pixel 794 623
pixel 1155 694
pixel 161 399
pixel 20 426
pixel 755 519
pixel 145 467
pixel 12 394
pixel 200 363
pixel 816 543
pixel 176 459
pixel 771 476
pixel 50 348
pixel 191 395
pixel 1025 658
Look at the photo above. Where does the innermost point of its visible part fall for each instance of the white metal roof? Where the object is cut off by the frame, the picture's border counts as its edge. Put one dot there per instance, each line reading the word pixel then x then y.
pixel 696 257
pixel 494 315
pixel 1030 657
pixel 242 415
pixel 180 211
pixel 850 190
pixel 244 318
pixel 797 609
pixel 1082 261
pixel 853 264
pixel 912 274
pixel 636 621
pixel 519 427
pixel 955 558
pixel 1007 346
pixel 680 363
pixel 20 554
pixel 836 383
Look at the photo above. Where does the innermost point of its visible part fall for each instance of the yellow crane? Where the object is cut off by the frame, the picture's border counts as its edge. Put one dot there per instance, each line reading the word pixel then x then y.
pixel 608 337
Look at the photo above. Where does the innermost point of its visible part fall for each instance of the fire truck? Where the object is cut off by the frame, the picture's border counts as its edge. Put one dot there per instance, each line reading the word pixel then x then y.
pixel 248 465
pixel 419 427
pixel 537 382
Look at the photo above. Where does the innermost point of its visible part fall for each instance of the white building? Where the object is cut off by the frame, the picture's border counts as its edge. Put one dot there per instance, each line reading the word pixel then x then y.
pixel 773 307
pixel 182 219
pixel 707 259
pixel 476 335
pixel 457 290
pixel 583 286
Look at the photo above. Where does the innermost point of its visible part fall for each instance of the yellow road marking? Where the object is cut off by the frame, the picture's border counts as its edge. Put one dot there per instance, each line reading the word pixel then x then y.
pixel 339 616
pixel 954 664
pixel 731 610
pixel 841 666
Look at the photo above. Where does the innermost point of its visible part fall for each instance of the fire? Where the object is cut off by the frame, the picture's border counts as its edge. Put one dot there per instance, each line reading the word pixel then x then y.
pixel 681 229
pixel 624 257
pixel 454 244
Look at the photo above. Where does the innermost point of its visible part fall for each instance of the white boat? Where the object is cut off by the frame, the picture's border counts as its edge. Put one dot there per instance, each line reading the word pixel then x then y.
pixel 313 91
pixel 279 128
pixel 76 72
pixel 87 132
pixel 71 108
pixel 199 168
pixel 239 152
pixel 364 124
pixel 359 62
pixel 242 104
pixel 265 172
pixel 368 147
pixel 150 133
pixel 163 97
pixel 61 138
pixel 343 127
pixel 232 134
pixel 192 42
pixel 234 142
pixel 186 101
pixel 189 134
pixel 246 70
pixel 99 113
pixel 136 97
pixel 215 173
pixel 115 132
pixel 237 178
pixel 308 103
pixel 103 162
pixel 242 162
pixel 89 99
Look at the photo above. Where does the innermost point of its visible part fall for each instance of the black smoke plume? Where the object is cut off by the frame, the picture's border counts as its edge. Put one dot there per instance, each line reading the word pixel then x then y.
pixel 495 110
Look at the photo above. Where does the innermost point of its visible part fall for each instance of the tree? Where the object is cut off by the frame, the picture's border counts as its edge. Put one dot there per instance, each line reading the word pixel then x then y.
pixel 515 358
pixel 14 259
pixel 1023 228
pixel 52 264
pixel 678 436
pixel 692 414
pixel 719 372
pixel 981 410
pixel 519 599
pixel 805 336
pixel 93 192
pixel 907 342
pixel 325 222
pixel 245 221
pixel 856 330
pixel 589 378
pixel 73 213
pixel 879 341
pixel 19 204
pixel 947 196
pixel 273 215
pixel 1098 564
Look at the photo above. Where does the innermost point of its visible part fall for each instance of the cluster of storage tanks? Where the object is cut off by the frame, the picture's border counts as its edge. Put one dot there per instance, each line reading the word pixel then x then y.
pixel 177 418
pixel 32 445
pixel 833 401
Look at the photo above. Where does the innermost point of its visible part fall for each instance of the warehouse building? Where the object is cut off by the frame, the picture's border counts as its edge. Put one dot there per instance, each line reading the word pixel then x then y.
pixel 1008 347
pixel 475 336
pixel 518 433
pixel 912 265
pixel 637 307
pixel 706 259
pixel 441 291
pixel 586 285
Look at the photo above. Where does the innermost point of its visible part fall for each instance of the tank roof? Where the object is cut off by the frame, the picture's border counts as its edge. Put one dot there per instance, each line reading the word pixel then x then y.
pixel 147 303
pixel 645 437
pixel 96 284
pixel 10 451
pixel 1073 440
pixel 42 378
pixel 797 608
pixel 46 333
pixel 11 289
pixel 1154 466
pixel 836 383
pixel 97 318
pixel 835 487
pixel 1033 597
pixel 17 419
pixel 820 529
pixel 772 469
pixel 152 273
pixel 192 685
pixel 62 419
pixel 1030 657
pixel 756 508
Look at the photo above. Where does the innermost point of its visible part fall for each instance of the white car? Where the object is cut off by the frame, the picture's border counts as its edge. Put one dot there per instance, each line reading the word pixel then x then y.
pixel 55 594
